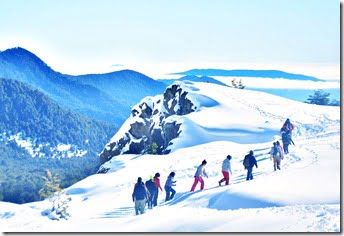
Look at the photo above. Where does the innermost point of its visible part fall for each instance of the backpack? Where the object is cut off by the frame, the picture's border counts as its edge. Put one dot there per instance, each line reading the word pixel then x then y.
pixel 140 192
pixel 246 161
pixel 275 151
pixel 151 186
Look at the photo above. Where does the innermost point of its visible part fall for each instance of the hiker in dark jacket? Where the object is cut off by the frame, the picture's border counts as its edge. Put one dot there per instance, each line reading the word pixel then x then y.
pixel 286 139
pixel 170 192
pixel 249 162
pixel 151 186
pixel 139 196
pixel 157 183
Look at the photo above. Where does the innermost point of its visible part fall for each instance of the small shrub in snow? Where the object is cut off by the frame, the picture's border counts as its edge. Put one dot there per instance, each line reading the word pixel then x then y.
pixel 152 149
pixel 238 85
pixel 59 208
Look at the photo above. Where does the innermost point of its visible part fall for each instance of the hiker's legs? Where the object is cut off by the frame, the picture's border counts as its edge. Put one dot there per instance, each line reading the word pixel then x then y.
pixel 226 176
pixel 155 198
pixel 285 148
pixel 142 206
pixel 249 173
pixel 173 193
pixel 167 190
pixel 136 207
pixel 194 184
pixel 202 182
pixel 278 163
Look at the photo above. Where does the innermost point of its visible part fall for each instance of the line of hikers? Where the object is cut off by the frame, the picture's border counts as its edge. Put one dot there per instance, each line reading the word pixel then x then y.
pixel 277 152
pixel 148 192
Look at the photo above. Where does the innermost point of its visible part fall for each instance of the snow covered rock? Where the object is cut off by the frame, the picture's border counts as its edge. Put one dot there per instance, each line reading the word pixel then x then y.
pixel 152 122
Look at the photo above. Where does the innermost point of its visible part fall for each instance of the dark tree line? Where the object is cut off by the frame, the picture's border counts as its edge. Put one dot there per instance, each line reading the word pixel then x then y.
pixel 21 175
pixel 38 117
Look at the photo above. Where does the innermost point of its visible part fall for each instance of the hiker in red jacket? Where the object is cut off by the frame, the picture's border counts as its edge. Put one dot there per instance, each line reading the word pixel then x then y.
pixel 288 127
pixel 157 183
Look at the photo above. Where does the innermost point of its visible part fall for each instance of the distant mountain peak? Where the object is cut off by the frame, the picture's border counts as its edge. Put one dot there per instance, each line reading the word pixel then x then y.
pixel 22 56
pixel 247 73
pixel 18 51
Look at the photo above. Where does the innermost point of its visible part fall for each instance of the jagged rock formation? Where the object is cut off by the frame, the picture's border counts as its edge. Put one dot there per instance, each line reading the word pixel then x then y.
pixel 152 121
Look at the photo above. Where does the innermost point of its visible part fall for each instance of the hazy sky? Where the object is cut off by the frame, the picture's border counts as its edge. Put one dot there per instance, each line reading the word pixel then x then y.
pixel 82 36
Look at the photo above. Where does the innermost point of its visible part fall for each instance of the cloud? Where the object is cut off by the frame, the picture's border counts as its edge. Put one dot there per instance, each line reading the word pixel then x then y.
pixel 116 65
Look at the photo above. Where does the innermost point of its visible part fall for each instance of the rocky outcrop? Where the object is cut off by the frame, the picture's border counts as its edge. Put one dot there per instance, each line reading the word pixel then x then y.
pixel 153 121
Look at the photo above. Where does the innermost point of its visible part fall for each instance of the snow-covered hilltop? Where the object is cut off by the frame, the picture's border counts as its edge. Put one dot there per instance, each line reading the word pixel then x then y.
pixel 304 196
pixel 188 114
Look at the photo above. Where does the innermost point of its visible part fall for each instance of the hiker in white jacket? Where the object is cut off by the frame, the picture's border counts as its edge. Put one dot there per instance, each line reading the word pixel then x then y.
pixel 226 168
pixel 200 172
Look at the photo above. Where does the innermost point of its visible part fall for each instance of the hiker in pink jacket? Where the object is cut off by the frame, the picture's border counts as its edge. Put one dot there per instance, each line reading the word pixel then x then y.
pixel 281 148
pixel 200 172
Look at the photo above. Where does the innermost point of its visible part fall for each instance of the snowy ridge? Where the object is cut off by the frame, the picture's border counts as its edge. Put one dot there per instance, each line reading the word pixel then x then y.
pixel 304 196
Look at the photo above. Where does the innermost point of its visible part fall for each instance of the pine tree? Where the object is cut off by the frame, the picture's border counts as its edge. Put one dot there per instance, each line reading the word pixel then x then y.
pixel 319 97
pixel 51 185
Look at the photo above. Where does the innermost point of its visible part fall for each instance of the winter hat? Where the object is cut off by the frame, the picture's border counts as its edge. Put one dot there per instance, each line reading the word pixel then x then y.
pixel 229 157
pixel 204 162
pixel 172 174
pixel 157 175
pixel 151 177
pixel 278 143
pixel 251 152
pixel 139 180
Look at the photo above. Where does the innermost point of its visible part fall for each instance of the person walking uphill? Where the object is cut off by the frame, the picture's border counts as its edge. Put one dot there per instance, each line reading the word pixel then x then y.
pixel 249 162
pixel 288 126
pixel 276 155
pixel 200 172
pixel 152 188
pixel 139 196
pixel 170 192
pixel 157 183
pixel 226 168
pixel 286 139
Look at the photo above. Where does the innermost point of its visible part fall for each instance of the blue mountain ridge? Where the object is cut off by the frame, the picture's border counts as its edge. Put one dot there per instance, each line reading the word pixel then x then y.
pixel 193 78
pixel 104 96
pixel 247 73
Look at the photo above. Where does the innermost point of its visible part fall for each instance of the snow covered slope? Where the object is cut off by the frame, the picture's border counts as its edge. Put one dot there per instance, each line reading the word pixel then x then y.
pixel 304 196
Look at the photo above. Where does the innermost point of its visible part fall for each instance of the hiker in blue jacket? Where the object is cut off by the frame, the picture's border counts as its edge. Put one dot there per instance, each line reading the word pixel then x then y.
pixel 249 162
pixel 276 156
